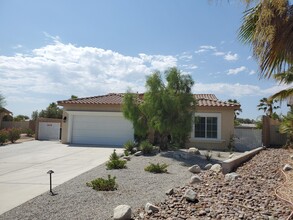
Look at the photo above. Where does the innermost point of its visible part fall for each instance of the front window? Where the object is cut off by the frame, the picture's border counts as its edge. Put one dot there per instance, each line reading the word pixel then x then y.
pixel 206 127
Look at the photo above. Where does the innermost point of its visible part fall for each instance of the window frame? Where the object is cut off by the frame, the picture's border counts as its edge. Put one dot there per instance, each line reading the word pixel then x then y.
pixel 206 115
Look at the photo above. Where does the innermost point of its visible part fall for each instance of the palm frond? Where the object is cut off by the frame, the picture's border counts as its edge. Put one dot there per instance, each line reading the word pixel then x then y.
pixel 282 95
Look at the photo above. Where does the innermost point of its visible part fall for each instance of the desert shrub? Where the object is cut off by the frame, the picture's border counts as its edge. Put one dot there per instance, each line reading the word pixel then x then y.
pixel 115 162
pixel 13 134
pixel 146 147
pixel 3 136
pixel 129 147
pixel 208 155
pixel 29 132
pixel 156 168
pixel 101 184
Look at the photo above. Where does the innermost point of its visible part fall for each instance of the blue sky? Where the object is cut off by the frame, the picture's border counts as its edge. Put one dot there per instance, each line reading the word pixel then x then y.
pixel 50 50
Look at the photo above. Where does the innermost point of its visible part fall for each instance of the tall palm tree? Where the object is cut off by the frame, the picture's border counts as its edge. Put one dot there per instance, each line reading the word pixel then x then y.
pixel 286 127
pixel 268 107
pixel 268 27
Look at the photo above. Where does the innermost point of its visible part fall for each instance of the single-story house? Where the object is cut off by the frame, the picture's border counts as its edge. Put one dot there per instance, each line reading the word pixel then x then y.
pixel 3 112
pixel 99 120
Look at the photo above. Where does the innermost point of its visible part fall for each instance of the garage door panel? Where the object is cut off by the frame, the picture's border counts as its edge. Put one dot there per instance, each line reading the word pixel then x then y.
pixel 108 130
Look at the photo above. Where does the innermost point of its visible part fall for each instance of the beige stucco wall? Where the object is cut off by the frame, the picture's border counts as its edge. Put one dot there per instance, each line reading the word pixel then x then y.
pixel 84 107
pixel 227 129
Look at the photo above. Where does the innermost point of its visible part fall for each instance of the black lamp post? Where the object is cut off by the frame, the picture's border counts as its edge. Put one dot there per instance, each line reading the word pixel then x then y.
pixel 50 172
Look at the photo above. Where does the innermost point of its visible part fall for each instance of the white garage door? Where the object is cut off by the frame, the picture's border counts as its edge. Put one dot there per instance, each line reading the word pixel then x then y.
pixel 101 129
pixel 49 131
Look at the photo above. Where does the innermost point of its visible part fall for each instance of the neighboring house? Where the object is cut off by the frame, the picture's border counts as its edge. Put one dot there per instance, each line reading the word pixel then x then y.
pixel 3 112
pixel 99 120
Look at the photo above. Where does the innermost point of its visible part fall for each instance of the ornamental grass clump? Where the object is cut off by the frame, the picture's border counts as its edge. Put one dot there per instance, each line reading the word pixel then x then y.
pixel 129 147
pixel 156 168
pixel 146 147
pixel 115 162
pixel 101 184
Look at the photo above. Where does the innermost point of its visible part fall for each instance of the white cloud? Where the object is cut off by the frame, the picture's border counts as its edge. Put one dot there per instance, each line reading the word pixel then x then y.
pixel 232 90
pixel 205 48
pixel 185 56
pixel 189 66
pixel 218 53
pixel 252 72
pixel 230 56
pixel 249 57
pixel 63 69
pixel 18 46
pixel 236 70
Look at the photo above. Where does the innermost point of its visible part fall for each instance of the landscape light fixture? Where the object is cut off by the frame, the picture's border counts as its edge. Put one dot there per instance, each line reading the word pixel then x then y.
pixel 50 172
pixel 64 119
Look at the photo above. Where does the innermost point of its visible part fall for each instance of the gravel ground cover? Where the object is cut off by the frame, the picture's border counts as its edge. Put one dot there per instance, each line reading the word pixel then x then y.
pixel 249 197
pixel 135 187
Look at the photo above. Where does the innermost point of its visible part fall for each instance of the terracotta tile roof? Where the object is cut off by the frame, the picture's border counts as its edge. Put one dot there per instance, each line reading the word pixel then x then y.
pixel 210 100
pixel 111 98
pixel 5 110
pixel 203 100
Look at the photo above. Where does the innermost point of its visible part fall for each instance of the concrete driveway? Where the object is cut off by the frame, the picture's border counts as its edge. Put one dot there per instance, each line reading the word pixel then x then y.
pixel 24 166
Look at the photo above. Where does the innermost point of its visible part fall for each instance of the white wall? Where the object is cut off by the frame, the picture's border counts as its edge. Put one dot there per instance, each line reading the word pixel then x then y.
pixel 247 138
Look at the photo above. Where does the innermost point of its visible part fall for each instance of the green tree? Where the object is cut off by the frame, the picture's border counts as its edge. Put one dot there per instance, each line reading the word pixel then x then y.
pixel 73 97
pixel 268 27
pixel 52 111
pixel 166 109
pixel 238 111
pixel 286 127
pixel 20 118
pixel 268 106
pixel 2 102
pixel 35 115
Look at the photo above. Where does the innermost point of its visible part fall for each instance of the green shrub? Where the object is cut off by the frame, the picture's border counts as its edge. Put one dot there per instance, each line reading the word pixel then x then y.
pixel 146 147
pixel 13 134
pixel 29 132
pixel 126 153
pixel 3 136
pixel 129 146
pixel 156 168
pixel 115 162
pixel 101 184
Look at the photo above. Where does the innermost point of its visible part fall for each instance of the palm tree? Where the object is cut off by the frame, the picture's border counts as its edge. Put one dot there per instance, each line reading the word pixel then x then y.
pixel 268 107
pixel 268 27
pixel 286 127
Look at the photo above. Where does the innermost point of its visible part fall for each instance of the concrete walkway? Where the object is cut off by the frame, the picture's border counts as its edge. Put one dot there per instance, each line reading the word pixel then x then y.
pixel 24 166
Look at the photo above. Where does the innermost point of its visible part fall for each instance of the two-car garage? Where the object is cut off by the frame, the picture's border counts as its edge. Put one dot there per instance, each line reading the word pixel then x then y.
pixel 98 128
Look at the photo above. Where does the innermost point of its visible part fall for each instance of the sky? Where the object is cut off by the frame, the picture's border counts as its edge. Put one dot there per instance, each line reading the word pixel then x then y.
pixel 50 50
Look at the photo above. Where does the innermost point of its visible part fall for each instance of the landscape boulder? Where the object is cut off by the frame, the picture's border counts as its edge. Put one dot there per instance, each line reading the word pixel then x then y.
pixel 190 195
pixel 138 153
pixel 208 166
pixel 216 168
pixel 151 208
pixel 194 169
pixel 231 176
pixel 195 179
pixel 287 167
pixel 126 158
pixel 122 212
pixel 193 150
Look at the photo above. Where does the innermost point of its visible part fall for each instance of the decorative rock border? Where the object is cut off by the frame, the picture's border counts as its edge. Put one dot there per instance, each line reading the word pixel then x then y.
pixel 231 164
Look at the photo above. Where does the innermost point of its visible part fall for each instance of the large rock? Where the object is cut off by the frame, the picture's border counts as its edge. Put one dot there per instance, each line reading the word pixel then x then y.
pixel 195 179
pixel 138 153
pixel 287 167
pixel 231 176
pixel 194 169
pixel 193 150
pixel 216 168
pixel 208 166
pixel 126 158
pixel 190 195
pixel 122 212
pixel 151 208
